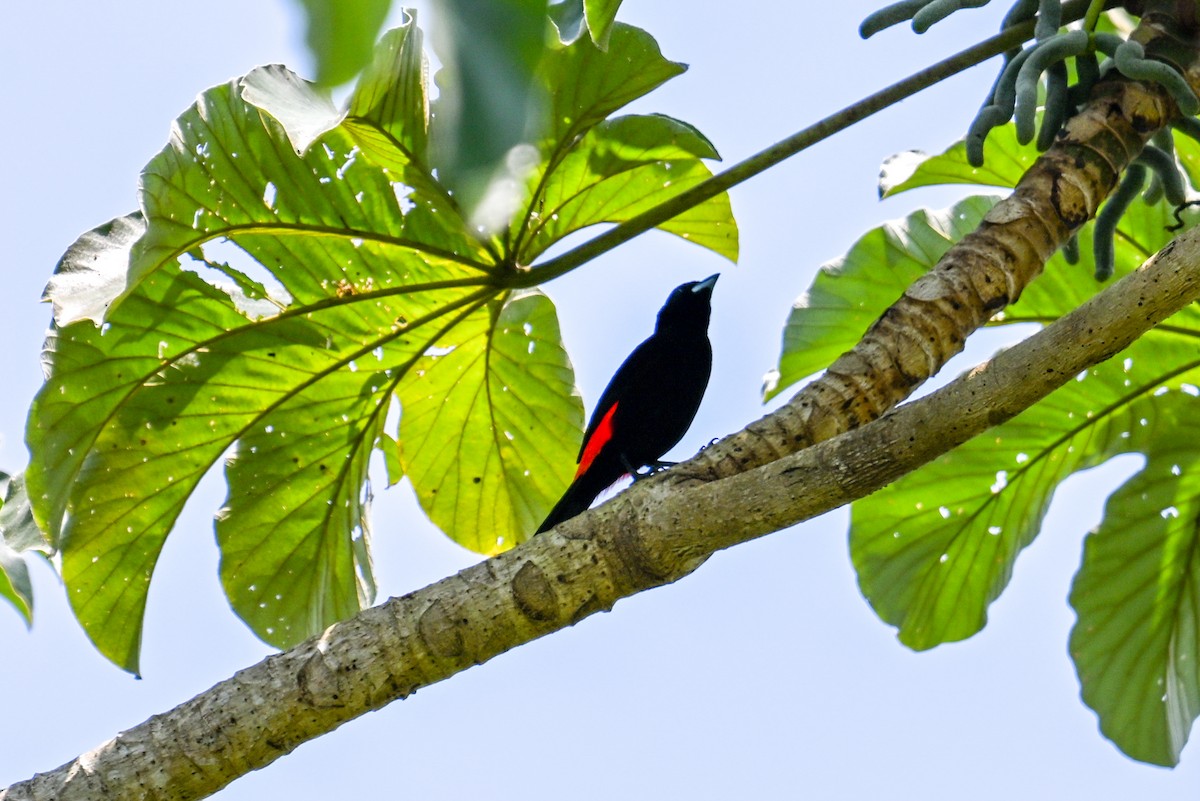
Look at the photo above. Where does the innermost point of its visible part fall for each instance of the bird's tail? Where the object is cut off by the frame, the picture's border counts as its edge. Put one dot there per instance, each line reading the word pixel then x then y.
pixel 577 498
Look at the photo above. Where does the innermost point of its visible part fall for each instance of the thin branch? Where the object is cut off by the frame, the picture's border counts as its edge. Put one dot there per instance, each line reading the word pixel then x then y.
pixel 801 140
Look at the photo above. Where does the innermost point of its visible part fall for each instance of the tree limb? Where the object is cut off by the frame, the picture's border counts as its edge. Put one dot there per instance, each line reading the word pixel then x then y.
pixel 651 535
pixel 984 272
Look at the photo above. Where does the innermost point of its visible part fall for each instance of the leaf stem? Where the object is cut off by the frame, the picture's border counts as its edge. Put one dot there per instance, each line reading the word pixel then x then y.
pixel 801 140
pixel 1093 15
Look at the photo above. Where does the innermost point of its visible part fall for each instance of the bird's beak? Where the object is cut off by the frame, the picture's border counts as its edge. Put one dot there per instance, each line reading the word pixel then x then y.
pixel 707 284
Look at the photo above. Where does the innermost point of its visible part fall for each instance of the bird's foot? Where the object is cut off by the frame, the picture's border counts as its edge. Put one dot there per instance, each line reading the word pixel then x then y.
pixel 651 469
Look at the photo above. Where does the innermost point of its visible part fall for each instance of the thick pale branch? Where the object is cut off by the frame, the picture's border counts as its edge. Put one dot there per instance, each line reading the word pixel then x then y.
pixel 651 535
pixel 976 278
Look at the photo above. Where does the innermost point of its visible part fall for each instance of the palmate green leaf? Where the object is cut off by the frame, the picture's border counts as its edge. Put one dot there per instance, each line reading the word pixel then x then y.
pixel 135 413
pixel 933 550
pixel 1136 644
pixel 977 507
pixel 623 167
pixel 595 170
pixel 340 35
pixel 292 270
pixel 491 423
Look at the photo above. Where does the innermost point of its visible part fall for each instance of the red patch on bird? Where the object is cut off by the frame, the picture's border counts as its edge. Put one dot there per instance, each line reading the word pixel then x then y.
pixel 600 438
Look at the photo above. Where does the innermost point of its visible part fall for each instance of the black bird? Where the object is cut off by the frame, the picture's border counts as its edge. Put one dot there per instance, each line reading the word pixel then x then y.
pixel 650 402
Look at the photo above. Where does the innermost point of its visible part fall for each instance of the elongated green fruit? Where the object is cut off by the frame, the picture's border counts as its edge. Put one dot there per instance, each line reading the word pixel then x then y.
pixel 1131 60
pixel 1166 171
pixel 1070 249
pixel 1188 126
pixel 1006 88
pixel 938 10
pixel 1049 19
pixel 1043 55
pixel 1110 215
pixel 1058 105
pixel 1021 11
pixel 988 118
pixel 888 16
pixel 998 111
pixel 1107 43
pixel 1087 72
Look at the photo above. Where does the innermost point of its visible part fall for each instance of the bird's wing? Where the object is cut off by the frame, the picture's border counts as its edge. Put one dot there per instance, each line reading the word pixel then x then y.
pixel 608 401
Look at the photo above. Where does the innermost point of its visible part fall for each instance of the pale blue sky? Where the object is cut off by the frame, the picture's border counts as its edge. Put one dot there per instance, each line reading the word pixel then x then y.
pixel 763 675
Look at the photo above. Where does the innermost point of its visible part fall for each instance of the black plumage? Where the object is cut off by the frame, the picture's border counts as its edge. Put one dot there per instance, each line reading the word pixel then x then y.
pixel 649 403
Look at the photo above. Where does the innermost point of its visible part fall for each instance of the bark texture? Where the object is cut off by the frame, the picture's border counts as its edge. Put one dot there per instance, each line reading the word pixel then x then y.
pixel 984 272
pixel 651 535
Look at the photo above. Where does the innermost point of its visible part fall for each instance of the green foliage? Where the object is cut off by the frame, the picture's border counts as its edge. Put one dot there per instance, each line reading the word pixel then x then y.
pixel 1138 596
pixel 18 536
pixel 341 35
pixel 295 268
pixel 935 548
pixel 488 100
pixel 573 17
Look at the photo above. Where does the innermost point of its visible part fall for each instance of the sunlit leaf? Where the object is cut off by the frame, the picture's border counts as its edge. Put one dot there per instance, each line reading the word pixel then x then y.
pixel 135 413
pixel 623 167
pixel 491 424
pixel 391 94
pixel 934 549
pixel 304 112
pixel 1005 161
pixel 586 84
pixel 1136 644
pixel 94 271
pixel 292 271
pixel 596 170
